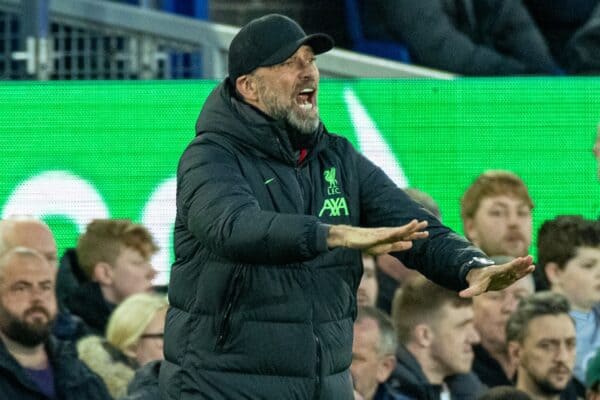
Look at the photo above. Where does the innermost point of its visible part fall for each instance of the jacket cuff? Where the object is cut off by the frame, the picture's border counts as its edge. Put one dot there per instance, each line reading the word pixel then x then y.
pixel 475 262
pixel 321 237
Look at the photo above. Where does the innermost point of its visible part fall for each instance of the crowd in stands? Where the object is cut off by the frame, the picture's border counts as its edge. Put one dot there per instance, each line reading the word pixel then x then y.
pixel 92 326
pixel 431 344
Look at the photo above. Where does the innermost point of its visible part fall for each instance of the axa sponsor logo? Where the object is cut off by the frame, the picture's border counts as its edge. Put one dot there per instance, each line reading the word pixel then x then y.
pixel 335 206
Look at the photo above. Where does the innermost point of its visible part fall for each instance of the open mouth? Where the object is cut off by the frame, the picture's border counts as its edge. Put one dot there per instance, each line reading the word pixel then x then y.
pixel 306 98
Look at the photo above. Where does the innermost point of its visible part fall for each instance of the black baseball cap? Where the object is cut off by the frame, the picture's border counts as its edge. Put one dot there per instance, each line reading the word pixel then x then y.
pixel 270 40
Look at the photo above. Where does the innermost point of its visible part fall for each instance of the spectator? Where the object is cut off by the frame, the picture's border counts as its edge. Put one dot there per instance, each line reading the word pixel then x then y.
pixel 496 214
pixel 134 337
pixel 483 37
pixel 491 311
pixel 505 393
pixel 368 287
pixel 115 256
pixel 26 231
pixel 541 338
pixel 33 364
pixel 569 254
pixel 373 354
pixel 436 334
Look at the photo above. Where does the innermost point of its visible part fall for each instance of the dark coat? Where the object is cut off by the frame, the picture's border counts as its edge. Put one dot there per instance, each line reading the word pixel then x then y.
pixel 409 380
pixel 144 385
pixel 259 307
pixel 72 379
pixel 470 37
pixel 88 304
pixel 488 369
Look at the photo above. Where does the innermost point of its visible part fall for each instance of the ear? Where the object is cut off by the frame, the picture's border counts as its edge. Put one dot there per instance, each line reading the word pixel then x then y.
pixel 552 272
pixel 103 273
pixel 470 231
pixel 514 351
pixel 423 335
pixel 246 86
pixel 385 368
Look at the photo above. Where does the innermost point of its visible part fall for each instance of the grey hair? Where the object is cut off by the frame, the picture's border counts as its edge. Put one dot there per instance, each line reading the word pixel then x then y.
pixel 537 305
pixel 388 341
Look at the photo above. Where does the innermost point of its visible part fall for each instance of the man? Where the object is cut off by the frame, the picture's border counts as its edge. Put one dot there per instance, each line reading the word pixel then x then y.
pixel 33 365
pixel 496 214
pixel 491 311
pixel 267 244
pixel 368 287
pixel 541 338
pixel 436 334
pixel 569 254
pixel 373 354
pixel 115 256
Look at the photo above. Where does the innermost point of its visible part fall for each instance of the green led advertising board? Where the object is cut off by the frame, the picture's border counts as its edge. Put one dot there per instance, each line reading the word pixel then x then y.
pixel 74 151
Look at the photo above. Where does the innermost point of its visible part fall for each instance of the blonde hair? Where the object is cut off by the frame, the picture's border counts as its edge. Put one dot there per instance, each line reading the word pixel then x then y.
pixel 131 318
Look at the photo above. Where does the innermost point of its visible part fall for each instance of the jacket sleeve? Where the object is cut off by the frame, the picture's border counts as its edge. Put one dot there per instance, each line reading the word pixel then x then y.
pixel 444 257
pixel 217 205
pixel 435 41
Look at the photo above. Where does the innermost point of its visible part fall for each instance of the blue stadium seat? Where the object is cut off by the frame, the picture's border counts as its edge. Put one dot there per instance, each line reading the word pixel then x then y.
pixel 380 48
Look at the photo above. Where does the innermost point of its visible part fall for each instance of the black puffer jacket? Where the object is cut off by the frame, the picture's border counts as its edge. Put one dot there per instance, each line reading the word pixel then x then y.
pixel 260 309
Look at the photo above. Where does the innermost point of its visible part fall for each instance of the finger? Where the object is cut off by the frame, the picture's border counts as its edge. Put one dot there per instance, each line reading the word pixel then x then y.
pixel 404 232
pixel 417 235
pixel 389 247
pixel 475 290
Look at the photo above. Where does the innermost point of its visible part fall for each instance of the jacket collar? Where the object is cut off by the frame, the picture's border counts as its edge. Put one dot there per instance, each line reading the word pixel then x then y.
pixel 226 115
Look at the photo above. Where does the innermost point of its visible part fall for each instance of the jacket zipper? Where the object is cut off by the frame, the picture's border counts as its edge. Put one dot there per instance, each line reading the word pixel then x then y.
pixel 301 185
pixel 234 294
pixel 317 368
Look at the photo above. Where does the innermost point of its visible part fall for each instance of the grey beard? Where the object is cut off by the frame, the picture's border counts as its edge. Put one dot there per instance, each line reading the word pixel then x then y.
pixel 306 125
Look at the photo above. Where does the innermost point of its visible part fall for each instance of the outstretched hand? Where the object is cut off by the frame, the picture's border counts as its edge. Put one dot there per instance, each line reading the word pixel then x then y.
pixel 377 241
pixel 497 277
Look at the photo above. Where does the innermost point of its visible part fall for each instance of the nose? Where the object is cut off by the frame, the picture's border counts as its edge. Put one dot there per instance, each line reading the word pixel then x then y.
pixel 509 304
pixel 474 337
pixel 563 353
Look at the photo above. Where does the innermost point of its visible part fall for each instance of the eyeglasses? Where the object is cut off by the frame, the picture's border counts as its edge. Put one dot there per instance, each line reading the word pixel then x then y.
pixel 160 335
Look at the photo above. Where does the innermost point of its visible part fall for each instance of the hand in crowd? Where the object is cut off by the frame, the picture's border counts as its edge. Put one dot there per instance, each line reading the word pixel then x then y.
pixel 377 241
pixel 497 277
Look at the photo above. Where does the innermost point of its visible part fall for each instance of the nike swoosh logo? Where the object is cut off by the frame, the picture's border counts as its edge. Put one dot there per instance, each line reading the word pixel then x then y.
pixel 269 181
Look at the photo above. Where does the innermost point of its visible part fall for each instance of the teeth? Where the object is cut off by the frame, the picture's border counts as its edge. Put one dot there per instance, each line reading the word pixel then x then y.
pixel 307 90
